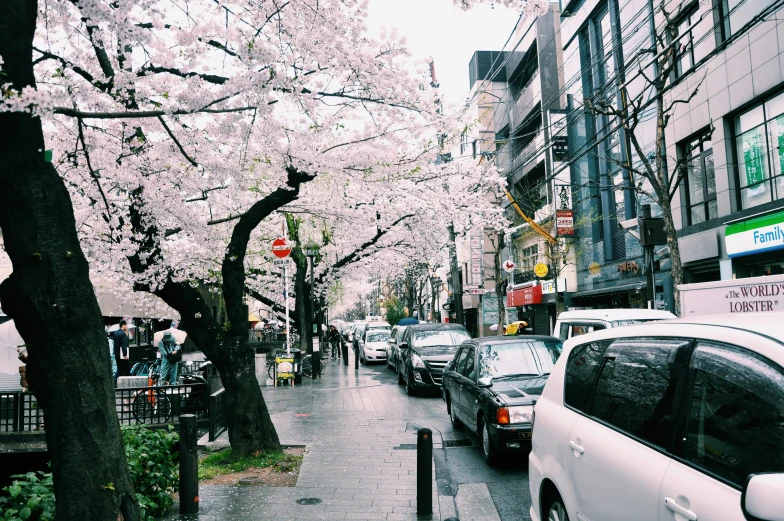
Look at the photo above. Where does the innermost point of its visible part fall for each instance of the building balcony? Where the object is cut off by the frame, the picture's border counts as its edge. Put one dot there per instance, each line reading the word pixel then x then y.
pixel 529 97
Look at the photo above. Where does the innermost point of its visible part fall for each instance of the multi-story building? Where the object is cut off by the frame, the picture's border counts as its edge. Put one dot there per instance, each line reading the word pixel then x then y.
pixel 606 42
pixel 529 135
pixel 729 209
pixel 722 142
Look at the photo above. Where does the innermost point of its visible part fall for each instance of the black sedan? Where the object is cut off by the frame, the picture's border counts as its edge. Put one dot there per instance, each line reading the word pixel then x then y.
pixel 424 350
pixel 492 385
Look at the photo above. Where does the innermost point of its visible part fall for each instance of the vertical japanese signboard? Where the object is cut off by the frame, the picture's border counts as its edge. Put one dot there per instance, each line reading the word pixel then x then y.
pixel 753 158
pixel 475 245
pixel 564 215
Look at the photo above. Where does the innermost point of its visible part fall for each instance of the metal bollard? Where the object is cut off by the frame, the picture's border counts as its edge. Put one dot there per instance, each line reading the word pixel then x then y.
pixel 424 472
pixel 344 348
pixel 189 466
pixel 356 358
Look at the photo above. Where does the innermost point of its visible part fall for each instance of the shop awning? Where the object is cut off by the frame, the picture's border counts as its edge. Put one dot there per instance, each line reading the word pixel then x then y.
pixel 610 289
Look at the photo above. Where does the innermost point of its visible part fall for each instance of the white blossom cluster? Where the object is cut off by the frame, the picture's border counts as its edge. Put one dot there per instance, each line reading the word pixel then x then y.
pixel 199 107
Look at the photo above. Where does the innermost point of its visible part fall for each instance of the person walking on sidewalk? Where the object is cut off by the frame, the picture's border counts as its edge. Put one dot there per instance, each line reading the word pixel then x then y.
pixel 334 340
pixel 121 353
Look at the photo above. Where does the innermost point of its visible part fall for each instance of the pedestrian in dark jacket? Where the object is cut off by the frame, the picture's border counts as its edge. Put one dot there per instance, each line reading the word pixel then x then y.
pixel 334 340
pixel 121 351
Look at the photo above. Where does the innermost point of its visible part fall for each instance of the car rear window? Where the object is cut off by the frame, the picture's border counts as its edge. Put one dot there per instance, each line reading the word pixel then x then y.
pixel 439 337
pixel 381 335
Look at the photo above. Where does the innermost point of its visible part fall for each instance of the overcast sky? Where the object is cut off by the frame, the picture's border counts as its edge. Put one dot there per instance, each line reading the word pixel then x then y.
pixel 438 29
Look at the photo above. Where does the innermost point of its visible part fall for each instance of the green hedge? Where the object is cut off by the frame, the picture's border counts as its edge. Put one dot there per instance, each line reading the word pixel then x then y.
pixel 152 464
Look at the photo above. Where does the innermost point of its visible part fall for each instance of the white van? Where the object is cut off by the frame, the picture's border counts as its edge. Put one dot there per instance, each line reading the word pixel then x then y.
pixel 576 323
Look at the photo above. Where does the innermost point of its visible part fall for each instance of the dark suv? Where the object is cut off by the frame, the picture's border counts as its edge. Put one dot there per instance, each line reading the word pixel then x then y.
pixel 425 349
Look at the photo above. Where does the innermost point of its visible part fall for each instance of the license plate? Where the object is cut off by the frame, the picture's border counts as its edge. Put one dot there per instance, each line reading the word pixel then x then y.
pixel 525 435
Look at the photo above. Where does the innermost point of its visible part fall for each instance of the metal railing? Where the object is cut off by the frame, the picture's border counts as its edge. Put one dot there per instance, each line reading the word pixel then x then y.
pixel 219 405
pixel 19 411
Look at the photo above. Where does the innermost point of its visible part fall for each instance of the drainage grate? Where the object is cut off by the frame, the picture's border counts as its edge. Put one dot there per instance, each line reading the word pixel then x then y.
pixel 405 446
pixel 309 501
pixel 457 443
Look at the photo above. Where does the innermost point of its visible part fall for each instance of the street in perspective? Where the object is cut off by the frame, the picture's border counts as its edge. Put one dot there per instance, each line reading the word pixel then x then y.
pixel 447 260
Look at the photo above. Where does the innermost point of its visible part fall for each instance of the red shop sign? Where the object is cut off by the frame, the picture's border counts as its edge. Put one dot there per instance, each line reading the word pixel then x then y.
pixel 524 296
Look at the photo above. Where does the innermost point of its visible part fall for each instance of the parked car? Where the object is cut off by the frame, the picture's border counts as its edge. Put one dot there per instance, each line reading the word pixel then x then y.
pixel 373 345
pixel 580 322
pixel 491 387
pixel 352 336
pixel 393 352
pixel 679 420
pixel 424 351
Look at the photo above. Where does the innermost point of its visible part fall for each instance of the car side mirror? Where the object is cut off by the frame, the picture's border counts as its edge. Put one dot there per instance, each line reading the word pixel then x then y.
pixel 403 346
pixel 486 381
pixel 763 497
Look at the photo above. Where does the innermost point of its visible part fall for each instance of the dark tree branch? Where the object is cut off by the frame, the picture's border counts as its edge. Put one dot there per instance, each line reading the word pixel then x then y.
pixel 65 111
pixel 176 142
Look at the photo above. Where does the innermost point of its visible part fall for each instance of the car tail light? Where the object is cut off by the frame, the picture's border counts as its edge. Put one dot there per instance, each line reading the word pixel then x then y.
pixel 502 416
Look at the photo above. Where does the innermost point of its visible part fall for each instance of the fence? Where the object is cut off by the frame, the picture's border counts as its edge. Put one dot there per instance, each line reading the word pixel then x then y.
pixel 218 413
pixel 19 411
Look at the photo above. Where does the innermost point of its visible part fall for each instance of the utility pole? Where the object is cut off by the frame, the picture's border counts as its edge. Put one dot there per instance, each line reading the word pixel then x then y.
pixel 457 287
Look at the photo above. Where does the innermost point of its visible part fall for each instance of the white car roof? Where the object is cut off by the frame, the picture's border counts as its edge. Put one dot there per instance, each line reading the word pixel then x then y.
pixel 616 314
pixel 760 332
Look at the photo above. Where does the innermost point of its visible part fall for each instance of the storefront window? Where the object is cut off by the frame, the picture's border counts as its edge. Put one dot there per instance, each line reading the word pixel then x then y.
pixel 760 152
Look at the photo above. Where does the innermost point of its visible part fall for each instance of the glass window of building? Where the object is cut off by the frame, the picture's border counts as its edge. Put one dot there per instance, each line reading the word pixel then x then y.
pixel 685 45
pixel 529 257
pixel 736 14
pixel 700 179
pixel 759 148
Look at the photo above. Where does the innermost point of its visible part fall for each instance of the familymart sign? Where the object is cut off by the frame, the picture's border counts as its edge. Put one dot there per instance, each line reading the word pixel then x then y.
pixel 758 235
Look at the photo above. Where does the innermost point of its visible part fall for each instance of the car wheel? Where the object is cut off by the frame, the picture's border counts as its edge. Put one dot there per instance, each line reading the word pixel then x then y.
pixel 456 424
pixel 400 380
pixel 556 511
pixel 409 388
pixel 489 451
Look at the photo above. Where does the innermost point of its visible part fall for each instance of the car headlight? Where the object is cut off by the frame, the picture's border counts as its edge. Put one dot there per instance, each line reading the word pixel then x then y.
pixel 417 362
pixel 521 414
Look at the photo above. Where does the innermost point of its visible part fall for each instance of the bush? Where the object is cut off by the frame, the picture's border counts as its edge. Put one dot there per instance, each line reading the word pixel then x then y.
pixel 30 498
pixel 152 464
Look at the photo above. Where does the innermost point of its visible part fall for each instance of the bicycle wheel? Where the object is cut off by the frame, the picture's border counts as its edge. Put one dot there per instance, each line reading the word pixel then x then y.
pixel 152 407
pixel 140 369
pixel 271 370
pixel 307 366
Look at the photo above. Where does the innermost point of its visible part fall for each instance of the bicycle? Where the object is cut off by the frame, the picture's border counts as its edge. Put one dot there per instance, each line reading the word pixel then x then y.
pixel 152 405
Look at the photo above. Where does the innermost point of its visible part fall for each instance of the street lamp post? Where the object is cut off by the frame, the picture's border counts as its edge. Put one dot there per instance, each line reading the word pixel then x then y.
pixel 311 251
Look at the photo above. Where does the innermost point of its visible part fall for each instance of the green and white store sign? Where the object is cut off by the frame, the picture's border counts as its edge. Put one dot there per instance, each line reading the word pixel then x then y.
pixel 757 235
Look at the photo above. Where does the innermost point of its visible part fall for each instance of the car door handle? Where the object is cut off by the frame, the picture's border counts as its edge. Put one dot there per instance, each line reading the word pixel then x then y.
pixel 675 507
pixel 576 447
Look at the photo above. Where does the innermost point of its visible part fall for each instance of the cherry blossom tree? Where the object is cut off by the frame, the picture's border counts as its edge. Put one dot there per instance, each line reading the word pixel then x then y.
pixel 177 129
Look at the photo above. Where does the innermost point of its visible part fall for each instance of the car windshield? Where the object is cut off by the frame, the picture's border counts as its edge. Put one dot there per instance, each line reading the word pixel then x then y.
pixel 632 321
pixel 518 358
pixel 378 335
pixel 440 337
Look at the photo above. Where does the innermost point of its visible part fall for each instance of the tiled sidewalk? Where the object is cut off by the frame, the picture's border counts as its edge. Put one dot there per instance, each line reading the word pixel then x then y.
pixel 359 430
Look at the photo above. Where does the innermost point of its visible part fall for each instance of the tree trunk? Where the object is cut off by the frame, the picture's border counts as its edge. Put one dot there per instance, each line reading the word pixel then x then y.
pixel 249 423
pixel 303 299
pixel 499 290
pixel 52 301
pixel 304 305
pixel 676 269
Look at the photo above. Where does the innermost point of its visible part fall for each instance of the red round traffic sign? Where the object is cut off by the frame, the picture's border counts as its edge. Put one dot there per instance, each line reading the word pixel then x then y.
pixel 281 248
